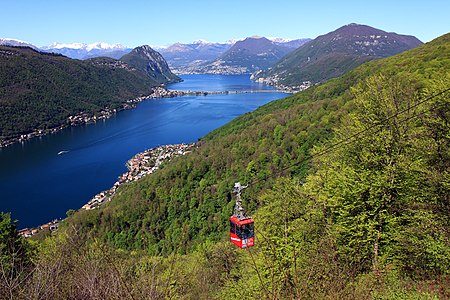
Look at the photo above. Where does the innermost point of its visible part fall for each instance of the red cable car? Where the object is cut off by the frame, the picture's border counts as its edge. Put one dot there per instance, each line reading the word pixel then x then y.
pixel 242 232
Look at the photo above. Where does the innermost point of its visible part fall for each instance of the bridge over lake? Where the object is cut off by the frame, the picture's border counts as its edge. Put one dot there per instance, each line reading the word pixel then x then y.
pixel 198 93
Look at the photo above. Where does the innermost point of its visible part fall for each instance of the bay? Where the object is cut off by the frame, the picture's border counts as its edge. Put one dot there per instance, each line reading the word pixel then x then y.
pixel 38 185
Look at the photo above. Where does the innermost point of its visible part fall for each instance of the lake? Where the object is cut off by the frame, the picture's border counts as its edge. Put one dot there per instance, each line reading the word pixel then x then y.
pixel 38 185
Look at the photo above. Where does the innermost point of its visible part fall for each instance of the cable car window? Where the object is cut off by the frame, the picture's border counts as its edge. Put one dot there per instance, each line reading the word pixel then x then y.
pixel 247 231
pixel 232 228
pixel 239 231
pixel 251 230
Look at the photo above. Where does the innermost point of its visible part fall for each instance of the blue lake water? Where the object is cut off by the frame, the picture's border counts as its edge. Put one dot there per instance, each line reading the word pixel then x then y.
pixel 38 185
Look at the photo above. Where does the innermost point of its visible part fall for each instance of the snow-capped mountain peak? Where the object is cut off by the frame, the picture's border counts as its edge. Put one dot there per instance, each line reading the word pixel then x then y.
pixel 279 40
pixel 200 41
pixel 12 40
pixel 233 41
pixel 104 46
pixel 63 45
pixel 15 42
pixel 85 51
pixel 87 47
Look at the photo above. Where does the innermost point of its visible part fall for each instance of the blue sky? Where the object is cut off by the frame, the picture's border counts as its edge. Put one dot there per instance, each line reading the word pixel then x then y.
pixel 164 22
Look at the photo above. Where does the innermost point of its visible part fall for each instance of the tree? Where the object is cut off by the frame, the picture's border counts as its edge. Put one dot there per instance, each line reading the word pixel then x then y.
pixel 15 258
pixel 375 186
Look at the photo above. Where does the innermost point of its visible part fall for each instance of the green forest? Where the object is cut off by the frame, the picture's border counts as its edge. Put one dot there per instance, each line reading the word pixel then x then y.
pixel 349 187
pixel 39 91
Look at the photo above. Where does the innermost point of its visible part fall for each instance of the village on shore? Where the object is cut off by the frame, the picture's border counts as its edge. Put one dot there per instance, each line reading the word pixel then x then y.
pixel 140 165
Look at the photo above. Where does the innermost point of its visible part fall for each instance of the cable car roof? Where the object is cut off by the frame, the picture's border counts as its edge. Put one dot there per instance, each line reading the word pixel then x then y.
pixel 239 222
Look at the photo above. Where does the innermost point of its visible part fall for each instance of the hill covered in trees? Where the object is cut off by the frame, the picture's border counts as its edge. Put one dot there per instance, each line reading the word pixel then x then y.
pixel 39 91
pixel 349 189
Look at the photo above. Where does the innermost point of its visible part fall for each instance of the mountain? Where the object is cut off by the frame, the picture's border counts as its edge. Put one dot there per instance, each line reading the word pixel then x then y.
pixel 39 91
pixel 335 53
pixel 182 56
pixel 16 43
pixel 205 57
pixel 151 62
pixel 86 51
pixel 247 56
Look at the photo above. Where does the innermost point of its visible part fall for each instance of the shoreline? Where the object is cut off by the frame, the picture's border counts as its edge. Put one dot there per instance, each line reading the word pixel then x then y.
pixel 106 113
pixel 140 165
pixel 88 118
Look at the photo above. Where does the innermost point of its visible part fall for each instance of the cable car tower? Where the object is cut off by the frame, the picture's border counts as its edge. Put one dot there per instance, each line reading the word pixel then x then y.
pixel 241 225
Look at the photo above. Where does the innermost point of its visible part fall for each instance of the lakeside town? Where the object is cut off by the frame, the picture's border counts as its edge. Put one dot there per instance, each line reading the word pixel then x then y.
pixel 140 165
pixel 274 81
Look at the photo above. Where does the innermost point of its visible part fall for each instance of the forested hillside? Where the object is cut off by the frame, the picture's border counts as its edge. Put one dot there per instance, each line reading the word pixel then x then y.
pixel 41 90
pixel 349 189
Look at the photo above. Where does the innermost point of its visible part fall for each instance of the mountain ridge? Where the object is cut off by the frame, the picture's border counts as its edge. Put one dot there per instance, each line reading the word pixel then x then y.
pixel 85 51
pixel 15 43
pixel 332 54
pixel 246 56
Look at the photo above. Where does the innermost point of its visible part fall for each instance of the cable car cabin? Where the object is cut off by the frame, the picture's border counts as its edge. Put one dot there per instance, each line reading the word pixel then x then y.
pixel 242 232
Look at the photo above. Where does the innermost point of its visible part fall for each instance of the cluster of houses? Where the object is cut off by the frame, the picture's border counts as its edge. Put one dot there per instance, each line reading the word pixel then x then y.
pixel 160 92
pixel 85 118
pixel 157 92
pixel 298 88
pixel 112 63
pixel 29 232
pixel 140 165
pixel 274 80
pixel 23 137
pixel 8 53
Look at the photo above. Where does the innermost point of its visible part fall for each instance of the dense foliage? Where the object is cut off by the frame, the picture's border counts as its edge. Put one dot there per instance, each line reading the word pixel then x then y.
pixel 41 90
pixel 15 258
pixel 350 195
